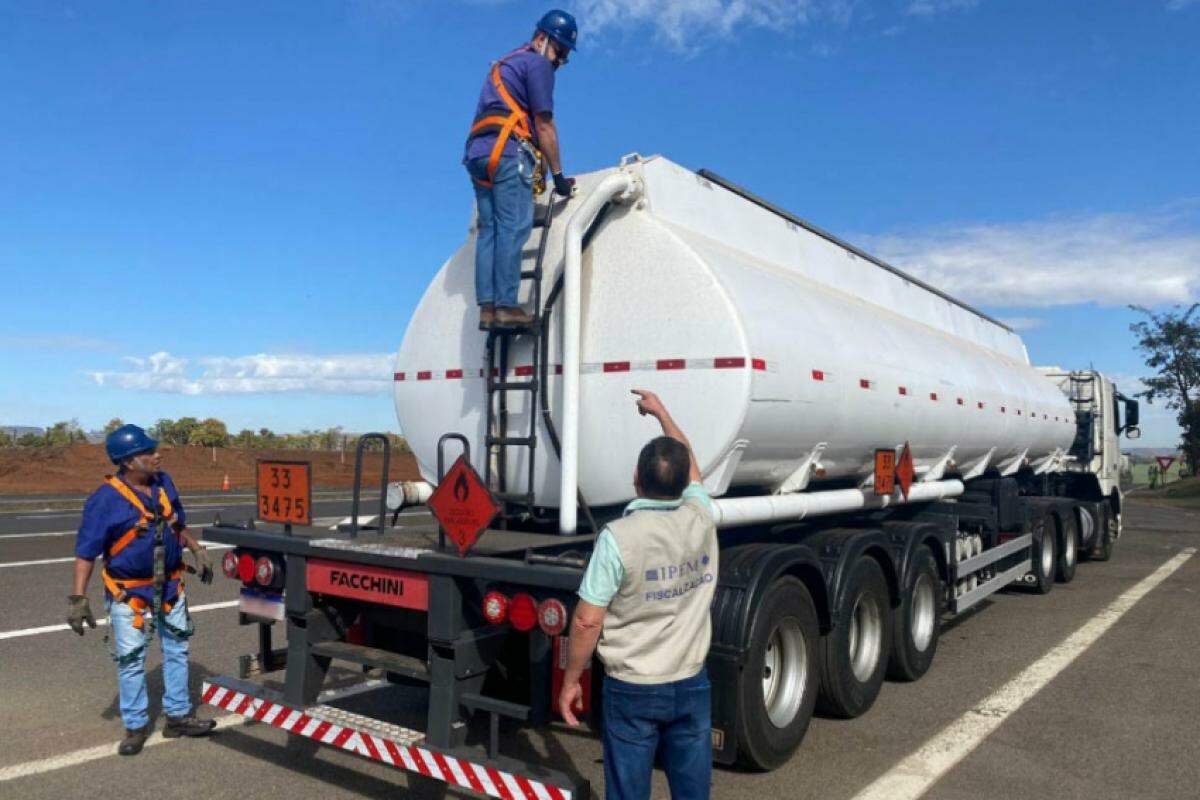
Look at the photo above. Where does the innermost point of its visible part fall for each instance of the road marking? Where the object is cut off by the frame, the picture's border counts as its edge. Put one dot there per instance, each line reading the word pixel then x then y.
pixel 68 559
pixel 102 622
pixel 913 776
pixel 77 757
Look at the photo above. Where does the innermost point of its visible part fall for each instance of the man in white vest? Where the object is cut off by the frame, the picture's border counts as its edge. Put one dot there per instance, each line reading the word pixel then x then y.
pixel 644 607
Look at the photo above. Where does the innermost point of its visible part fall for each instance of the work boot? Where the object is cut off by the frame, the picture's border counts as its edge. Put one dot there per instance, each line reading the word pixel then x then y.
pixel 487 316
pixel 134 741
pixel 513 318
pixel 190 725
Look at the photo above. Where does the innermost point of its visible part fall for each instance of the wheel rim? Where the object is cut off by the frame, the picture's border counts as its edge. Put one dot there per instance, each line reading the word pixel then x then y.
pixel 866 637
pixel 785 672
pixel 1047 554
pixel 922 612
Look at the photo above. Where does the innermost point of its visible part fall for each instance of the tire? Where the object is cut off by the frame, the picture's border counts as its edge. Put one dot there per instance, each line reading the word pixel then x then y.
pixel 1068 550
pixel 1044 554
pixel 778 688
pixel 854 655
pixel 917 622
pixel 1088 526
pixel 1106 537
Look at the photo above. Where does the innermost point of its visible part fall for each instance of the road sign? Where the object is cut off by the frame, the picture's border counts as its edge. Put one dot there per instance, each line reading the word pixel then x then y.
pixel 284 490
pixel 1164 462
pixel 463 505
pixel 904 470
pixel 885 472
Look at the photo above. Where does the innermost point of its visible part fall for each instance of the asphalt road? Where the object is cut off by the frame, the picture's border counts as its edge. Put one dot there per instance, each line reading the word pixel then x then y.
pixel 1116 720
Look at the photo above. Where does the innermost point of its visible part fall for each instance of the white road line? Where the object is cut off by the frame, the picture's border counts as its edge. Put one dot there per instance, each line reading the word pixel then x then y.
pixel 77 757
pixel 69 559
pixel 102 622
pixel 913 776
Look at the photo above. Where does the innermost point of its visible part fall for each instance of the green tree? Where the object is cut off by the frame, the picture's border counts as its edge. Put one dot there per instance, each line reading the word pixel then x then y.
pixel 266 440
pixel 6 440
pixel 209 433
pixel 1170 343
pixel 244 439
pixel 112 425
pixel 64 433
pixel 30 440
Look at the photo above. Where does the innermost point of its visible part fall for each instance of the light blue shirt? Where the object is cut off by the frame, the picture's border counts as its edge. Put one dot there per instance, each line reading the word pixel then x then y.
pixel 605 573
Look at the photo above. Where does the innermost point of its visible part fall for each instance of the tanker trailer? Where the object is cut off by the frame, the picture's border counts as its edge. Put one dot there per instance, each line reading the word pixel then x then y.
pixel 880 454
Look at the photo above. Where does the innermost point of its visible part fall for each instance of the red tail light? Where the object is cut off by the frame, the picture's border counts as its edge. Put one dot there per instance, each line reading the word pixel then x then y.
pixel 229 564
pixel 264 571
pixel 245 569
pixel 522 612
pixel 552 616
pixel 495 608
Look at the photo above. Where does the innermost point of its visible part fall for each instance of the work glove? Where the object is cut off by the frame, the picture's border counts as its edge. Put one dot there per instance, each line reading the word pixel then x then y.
pixel 563 186
pixel 203 566
pixel 79 611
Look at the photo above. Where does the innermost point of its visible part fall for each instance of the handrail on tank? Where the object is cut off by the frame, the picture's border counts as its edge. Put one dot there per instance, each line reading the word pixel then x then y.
pixel 620 186
pixel 732 512
pixel 383 481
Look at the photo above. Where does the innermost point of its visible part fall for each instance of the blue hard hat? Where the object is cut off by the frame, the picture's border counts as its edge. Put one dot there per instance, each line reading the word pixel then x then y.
pixel 126 441
pixel 559 26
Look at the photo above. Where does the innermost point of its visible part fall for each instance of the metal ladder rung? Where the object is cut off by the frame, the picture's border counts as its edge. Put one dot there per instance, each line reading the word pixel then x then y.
pixel 513 386
pixel 512 441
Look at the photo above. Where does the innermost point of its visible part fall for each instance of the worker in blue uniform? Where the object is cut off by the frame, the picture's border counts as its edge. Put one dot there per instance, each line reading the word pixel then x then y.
pixel 136 521
pixel 512 133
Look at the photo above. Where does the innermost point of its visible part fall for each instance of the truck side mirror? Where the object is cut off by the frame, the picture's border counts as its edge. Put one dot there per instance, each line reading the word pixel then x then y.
pixel 1133 432
pixel 1131 414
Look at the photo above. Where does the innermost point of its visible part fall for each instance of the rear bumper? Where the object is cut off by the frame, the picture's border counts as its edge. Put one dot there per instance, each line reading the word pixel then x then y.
pixel 393 745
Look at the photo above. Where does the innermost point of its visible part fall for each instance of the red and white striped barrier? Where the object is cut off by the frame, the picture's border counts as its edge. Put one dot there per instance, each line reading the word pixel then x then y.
pixel 398 750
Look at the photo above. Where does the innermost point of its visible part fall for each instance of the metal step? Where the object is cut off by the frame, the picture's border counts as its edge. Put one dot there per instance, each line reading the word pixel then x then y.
pixel 512 441
pixel 386 660
pixel 513 386
pixel 531 274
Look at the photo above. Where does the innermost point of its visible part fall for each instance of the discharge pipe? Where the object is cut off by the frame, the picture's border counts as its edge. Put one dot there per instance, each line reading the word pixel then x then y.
pixel 621 187
pixel 733 512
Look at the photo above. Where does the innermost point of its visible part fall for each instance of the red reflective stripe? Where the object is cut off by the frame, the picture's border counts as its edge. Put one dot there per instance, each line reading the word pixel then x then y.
pixel 524 372
pixel 555 793
pixel 558 369
pixel 523 783
pixel 980 404
pixel 424 376
pixel 300 724
pixel 394 752
pixel 320 730
pixel 499 783
pixel 1003 410
pixel 863 383
pixel 443 766
pixel 452 374
pixel 728 363
pixel 818 375
pixel 342 737
pixel 759 364
pixel 669 363
pixel 242 706
pixel 209 692
pixel 372 751
pixel 616 366
pixel 399 376
pixel 960 401
pixel 471 777
pixel 933 395
pixel 903 390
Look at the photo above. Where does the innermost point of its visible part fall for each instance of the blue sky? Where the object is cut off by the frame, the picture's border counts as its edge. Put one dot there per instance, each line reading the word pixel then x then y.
pixel 230 208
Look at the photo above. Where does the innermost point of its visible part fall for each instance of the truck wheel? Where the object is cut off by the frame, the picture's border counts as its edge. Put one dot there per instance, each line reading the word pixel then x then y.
pixel 1106 537
pixel 854 654
pixel 1068 550
pixel 1087 524
pixel 778 688
pixel 1044 555
pixel 918 620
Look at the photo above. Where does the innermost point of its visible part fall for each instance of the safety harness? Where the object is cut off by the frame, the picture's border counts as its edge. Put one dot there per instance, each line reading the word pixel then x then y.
pixel 515 123
pixel 159 519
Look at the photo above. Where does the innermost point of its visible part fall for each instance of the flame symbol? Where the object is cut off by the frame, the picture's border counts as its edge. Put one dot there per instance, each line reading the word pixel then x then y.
pixel 461 488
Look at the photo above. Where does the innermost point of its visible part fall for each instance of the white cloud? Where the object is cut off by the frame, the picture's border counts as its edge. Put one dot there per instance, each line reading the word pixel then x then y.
pixel 1179 5
pixel 261 373
pixel 1109 259
pixel 927 8
pixel 1023 323
pixel 681 23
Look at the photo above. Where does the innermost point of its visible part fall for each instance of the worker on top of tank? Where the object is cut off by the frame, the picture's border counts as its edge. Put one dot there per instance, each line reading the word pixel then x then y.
pixel 644 601
pixel 137 522
pixel 513 130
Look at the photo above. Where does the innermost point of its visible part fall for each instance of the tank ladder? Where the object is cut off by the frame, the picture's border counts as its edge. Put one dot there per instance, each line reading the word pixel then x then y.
pixel 499 434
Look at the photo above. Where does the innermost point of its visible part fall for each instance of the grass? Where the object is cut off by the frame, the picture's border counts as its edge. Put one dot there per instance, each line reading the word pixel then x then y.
pixel 1141 474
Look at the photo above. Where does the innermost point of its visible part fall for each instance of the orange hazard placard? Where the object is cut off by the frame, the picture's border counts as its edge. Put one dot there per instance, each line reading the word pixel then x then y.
pixel 284 492
pixel 463 505
pixel 885 472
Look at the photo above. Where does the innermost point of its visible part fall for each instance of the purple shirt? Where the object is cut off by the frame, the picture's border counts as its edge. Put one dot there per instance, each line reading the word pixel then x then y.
pixel 529 78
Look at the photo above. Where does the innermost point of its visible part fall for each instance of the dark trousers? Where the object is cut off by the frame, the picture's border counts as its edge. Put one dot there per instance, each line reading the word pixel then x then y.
pixel 643 719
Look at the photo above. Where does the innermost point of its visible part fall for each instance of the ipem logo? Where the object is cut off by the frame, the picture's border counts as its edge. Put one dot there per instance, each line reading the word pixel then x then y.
pixel 390 587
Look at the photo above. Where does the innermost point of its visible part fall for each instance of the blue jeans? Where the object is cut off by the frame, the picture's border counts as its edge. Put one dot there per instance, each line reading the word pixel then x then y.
pixel 505 220
pixel 643 719
pixel 131 677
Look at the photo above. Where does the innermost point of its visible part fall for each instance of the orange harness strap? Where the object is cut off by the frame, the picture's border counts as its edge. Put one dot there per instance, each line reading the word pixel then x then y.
pixel 118 587
pixel 517 122
pixel 168 513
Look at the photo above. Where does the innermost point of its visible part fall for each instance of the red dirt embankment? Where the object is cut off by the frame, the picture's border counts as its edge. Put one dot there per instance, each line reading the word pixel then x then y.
pixel 80 468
